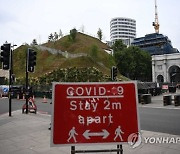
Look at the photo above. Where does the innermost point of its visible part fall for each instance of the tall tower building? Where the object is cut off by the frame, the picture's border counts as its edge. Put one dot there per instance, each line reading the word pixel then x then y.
pixel 124 29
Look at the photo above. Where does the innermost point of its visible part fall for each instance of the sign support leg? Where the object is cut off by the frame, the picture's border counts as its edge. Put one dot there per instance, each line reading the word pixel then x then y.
pixel 121 152
pixel 118 148
pixel 121 149
pixel 72 149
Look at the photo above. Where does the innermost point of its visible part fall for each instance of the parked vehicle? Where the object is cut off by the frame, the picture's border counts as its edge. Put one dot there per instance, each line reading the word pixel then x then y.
pixel 4 90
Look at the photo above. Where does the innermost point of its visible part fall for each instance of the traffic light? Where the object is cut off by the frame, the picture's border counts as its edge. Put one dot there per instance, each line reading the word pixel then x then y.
pixel 5 56
pixel 113 73
pixel 31 60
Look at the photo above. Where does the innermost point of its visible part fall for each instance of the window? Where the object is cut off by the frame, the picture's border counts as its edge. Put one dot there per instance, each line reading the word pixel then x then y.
pixel 159 67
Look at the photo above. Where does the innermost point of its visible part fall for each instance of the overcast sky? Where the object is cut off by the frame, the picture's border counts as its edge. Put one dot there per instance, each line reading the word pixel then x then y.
pixel 24 20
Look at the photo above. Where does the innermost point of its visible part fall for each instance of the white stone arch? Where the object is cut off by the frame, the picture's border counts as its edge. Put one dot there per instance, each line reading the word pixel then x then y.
pixel 174 73
pixel 173 65
pixel 161 64
pixel 160 78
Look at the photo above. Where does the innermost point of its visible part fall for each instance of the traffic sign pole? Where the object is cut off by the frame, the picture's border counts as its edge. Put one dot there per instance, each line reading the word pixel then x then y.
pixel 26 95
pixel 10 82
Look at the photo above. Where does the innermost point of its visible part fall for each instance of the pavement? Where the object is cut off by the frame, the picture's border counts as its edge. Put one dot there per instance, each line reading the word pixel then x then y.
pixel 29 134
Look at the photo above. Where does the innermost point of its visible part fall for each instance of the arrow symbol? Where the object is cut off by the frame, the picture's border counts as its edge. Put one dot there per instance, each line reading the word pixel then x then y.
pixel 104 134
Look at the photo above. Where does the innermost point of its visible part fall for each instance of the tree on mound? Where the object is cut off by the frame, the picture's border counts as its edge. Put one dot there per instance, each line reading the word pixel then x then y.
pixel 72 36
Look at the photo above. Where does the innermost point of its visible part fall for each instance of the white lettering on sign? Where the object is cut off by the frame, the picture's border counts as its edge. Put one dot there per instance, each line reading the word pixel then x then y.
pixel 79 105
pixel 93 91
pixel 87 99
pixel 112 106
pixel 97 119
pixel 120 90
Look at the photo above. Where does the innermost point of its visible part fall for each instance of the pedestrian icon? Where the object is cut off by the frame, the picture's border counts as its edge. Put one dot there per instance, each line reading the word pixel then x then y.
pixel 72 134
pixel 118 133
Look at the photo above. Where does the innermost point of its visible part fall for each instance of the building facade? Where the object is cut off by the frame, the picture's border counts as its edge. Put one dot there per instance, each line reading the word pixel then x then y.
pixel 122 29
pixel 166 68
pixel 155 44
pixel 4 73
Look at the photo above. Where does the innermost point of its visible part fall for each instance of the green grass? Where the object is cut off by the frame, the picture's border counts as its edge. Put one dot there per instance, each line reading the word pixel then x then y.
pixel 47 62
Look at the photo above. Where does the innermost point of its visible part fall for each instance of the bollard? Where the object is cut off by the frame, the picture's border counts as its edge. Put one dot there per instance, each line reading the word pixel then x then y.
pixel 44 99
pixel 167 99
pixel 172 89
pixel 176 100
pixel 146 99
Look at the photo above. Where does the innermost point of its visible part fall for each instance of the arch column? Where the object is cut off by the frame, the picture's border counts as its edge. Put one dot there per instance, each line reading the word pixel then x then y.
pixel 153 71
pixel 165 70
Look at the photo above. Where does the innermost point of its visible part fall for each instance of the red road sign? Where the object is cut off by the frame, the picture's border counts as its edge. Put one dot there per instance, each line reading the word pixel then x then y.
pixel 94 112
